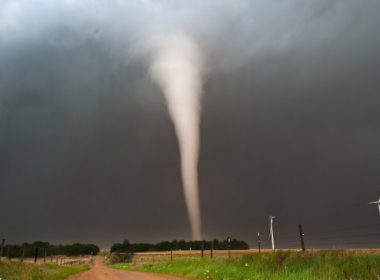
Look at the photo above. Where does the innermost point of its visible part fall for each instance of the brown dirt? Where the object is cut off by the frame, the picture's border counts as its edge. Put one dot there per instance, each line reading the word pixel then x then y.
pixel 102 272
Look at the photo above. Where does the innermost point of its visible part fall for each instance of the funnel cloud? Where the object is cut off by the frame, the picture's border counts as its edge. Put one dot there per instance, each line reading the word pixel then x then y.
pixel 177 67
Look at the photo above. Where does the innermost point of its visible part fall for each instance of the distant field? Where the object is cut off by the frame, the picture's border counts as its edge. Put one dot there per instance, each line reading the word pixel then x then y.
pixel 321 264
pixel 16 270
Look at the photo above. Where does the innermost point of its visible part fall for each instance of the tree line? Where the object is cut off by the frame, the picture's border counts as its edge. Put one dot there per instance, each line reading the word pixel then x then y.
pixel 127 247
pixel 76 249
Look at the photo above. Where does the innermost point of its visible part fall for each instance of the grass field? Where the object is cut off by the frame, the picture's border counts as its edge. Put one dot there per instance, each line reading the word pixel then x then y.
pixel 15 270
pixel 325 264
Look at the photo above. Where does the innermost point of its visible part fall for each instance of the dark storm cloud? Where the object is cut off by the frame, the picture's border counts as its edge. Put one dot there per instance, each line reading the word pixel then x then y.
pixel 290 122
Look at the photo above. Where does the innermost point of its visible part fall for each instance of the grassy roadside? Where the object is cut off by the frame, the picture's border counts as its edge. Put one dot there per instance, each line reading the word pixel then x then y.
pixel 15 270
pixel 288 265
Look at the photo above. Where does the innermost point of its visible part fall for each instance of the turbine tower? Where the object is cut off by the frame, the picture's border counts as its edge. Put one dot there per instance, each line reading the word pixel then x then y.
pixel 376 202
pixel 271 230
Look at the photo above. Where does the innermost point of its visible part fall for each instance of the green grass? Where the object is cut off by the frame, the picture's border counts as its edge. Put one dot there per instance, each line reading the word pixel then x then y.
pixel 339 264
pixel 15 270
pixel 122 266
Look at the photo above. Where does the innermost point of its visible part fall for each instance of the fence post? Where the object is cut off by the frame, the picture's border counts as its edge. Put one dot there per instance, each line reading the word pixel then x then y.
pixel 23 253
pixel 45 255
pixel 212 249
pixel 229 247
pixel 171 255
pixel 301 237
pixel 202 248
pixel 259 241
pixel 1 248
pixel 35 255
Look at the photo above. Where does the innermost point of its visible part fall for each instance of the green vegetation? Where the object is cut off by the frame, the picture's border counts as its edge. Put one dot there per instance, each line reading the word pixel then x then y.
pixel 126 266
pixel 116 257
pixel 127 247
pixel 77 249
pixel 15 270
pixel 336 264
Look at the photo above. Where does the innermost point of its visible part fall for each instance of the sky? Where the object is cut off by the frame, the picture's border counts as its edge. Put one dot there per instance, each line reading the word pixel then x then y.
pixel 289 124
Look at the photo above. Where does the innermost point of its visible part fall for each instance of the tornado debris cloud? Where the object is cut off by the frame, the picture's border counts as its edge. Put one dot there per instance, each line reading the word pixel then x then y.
pixel 177 66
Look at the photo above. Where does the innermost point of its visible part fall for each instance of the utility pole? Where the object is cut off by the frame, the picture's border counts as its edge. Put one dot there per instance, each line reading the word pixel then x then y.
pixel 301 237
pixel 259 241
pixel 271 230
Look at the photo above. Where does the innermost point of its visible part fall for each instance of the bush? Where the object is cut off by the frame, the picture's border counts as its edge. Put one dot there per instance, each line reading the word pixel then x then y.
pixel 120 258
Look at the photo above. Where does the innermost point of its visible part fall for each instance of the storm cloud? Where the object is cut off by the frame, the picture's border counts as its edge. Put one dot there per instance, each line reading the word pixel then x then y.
pixel 289 126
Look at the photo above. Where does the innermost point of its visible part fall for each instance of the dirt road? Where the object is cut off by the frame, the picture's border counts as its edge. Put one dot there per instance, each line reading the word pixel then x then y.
pixel 102 272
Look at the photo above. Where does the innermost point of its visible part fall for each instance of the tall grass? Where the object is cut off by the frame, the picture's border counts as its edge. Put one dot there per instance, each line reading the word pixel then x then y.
pixel 15 270
pixel 337 264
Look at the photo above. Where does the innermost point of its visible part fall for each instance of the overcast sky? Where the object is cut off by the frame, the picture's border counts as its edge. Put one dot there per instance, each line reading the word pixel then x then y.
pixel 290 121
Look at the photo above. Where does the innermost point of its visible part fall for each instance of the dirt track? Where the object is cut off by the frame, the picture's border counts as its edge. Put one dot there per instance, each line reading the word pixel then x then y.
pixel 102 272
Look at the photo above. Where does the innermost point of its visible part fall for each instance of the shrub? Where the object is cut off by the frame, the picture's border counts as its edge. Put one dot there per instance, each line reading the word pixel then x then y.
pixel 120 258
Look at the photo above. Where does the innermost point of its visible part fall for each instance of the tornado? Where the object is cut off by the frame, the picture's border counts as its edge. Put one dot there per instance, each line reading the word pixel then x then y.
pixel 177 67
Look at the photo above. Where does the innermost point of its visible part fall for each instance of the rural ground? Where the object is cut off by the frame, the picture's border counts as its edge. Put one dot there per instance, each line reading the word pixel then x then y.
pixel 335 264
pixel 102 272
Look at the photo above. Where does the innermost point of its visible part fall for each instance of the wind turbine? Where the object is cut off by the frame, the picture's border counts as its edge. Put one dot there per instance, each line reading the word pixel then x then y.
pixel 376 202
pixel 271 230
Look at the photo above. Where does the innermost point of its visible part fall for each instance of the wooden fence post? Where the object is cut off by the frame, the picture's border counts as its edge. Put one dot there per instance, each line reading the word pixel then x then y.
pixel 259 241
pixel 301 237
pixel 35 255
pixel 2 248
pixel 229 247
pixel 23 253
pixel 212 249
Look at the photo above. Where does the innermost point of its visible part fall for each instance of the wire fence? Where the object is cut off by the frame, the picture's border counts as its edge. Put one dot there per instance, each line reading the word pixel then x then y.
pixel 363 236
pixel 366 236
